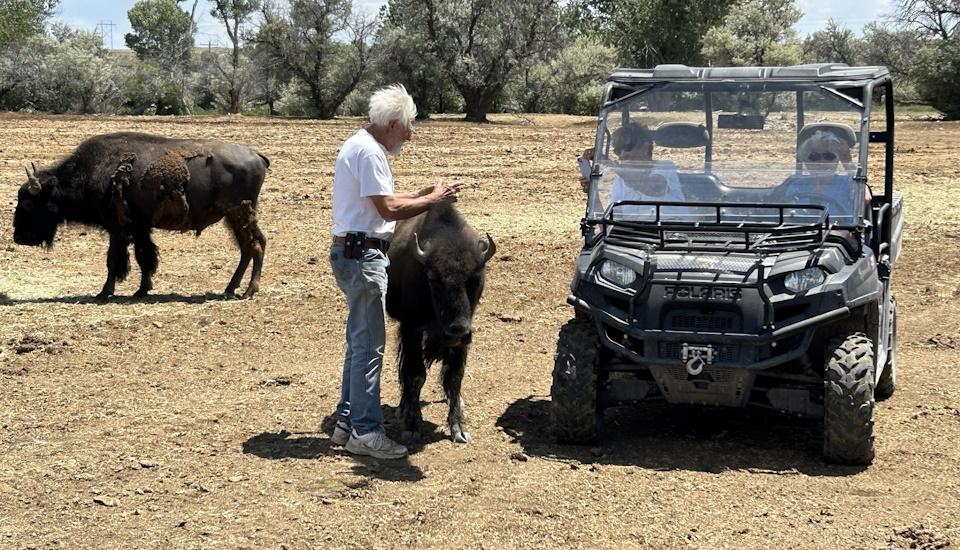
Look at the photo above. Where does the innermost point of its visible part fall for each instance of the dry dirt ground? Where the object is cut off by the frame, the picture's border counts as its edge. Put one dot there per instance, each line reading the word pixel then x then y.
pixel 185 420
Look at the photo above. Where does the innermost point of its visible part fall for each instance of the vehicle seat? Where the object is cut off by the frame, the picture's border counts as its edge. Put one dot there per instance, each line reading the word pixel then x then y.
pixel 687 135
pixel 681 135
pixel 701 187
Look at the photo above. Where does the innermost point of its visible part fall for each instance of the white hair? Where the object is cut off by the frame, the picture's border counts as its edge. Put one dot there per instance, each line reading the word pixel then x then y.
pixel 829 141
pixel 392 103
pixel 824 139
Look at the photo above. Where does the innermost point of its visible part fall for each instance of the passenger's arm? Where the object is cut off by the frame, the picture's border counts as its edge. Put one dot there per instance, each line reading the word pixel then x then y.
pixel 584 180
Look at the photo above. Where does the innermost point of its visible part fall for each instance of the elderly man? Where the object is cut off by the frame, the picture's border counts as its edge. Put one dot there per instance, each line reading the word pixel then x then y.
pixel 365 209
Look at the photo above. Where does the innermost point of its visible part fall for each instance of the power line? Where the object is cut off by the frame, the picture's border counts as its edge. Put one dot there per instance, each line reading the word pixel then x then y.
pixel 102 30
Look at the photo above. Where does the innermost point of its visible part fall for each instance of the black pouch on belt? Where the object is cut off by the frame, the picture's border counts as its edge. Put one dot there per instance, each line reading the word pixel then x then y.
pixel 353 247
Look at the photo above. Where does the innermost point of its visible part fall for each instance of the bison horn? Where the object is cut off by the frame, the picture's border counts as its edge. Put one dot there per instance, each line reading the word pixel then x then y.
pixel 489 248
pixel 421 255
pixel 33 184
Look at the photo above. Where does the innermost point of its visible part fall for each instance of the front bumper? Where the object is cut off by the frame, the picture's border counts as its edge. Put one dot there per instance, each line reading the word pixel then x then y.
pixel 757 351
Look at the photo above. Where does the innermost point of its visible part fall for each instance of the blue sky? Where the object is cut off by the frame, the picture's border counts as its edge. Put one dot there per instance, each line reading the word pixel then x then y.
pixel 86 14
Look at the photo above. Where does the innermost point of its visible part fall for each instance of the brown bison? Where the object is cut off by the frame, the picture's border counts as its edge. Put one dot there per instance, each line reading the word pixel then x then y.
pixel 129 183
pixel 435 280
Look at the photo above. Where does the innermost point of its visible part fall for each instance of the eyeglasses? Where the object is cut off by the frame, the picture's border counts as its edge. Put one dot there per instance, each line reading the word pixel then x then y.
pixel 828 156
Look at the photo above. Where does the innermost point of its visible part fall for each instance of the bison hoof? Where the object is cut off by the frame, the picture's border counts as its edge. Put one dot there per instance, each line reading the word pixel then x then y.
pixel 141 293
pixel 408 437
pixel 102 298
pixel 459 434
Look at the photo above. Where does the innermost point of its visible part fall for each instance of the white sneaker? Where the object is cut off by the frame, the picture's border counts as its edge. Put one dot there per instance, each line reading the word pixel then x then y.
pixel 375 444
pixel 341 433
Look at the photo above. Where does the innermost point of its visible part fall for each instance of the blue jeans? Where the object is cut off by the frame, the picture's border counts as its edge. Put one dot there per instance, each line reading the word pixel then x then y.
pixel 364 283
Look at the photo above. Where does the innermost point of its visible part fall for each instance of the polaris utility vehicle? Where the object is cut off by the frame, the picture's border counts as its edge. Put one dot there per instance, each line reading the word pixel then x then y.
pixel 737 250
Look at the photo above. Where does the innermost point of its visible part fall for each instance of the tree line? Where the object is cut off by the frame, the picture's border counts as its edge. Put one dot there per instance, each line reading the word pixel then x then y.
pixel 321 58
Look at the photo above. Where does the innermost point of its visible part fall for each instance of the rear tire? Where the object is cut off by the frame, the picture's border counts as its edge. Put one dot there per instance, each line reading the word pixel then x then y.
pixel 887 384
pixel 575 415
pixel 848 401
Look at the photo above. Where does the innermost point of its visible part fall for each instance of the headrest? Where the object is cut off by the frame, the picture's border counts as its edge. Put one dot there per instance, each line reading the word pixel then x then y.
pixel 681 135
pixel 842 131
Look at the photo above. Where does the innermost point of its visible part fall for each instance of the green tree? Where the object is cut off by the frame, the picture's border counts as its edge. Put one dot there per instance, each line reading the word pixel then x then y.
pixel 897 50
pixel 78 75
pixel 893 48
pixel 147 89
pixel 161 31
pixel 935 64
pixel 568 82
pixel 323 47
pixel 233 78
pixel 480 44
pixel 22 46
pixel 268 77
pixel 938 76
pixel 934 18
pixel 586 17
pixel 163 34
pixel 651 32
pixel 756 33
pixel 66 70
pixel 404 55
pixel 834 44
pixel 21 19
pixel 21 72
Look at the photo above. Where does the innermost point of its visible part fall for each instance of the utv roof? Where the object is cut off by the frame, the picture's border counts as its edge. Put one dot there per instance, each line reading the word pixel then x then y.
pixel 819 72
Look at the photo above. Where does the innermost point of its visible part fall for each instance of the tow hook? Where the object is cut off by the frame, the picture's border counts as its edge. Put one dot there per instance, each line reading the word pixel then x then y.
pixel 696 357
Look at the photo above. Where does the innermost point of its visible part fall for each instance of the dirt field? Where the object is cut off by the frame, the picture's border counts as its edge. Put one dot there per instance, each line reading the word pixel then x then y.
pixel 185 420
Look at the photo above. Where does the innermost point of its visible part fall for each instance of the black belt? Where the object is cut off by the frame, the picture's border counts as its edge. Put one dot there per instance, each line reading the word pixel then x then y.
pixel 379 244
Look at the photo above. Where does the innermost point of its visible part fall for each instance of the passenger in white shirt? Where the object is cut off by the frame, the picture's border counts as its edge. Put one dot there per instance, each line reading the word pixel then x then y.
pixel 639 177
pixel 365 209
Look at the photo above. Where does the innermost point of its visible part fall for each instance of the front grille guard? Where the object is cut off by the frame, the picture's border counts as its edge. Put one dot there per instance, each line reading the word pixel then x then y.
pixel 648 356
pixel 760 238
pixel 754 279
pixel 652 281
pixel 717 235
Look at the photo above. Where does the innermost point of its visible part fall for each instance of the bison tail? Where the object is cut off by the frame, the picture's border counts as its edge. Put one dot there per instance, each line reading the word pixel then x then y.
pixel 266 161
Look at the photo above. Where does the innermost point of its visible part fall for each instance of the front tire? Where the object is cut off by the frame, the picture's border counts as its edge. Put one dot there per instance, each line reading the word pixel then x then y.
pixel 887 384
pixel 848 400
pixel 574 411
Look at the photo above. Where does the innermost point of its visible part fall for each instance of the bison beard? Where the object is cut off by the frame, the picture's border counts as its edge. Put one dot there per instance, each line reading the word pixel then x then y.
pixel 435 280
pixel 129 183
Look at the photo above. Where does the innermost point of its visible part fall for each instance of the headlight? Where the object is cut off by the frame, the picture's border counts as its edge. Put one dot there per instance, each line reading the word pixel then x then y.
pixel 805 279
pixel 617 273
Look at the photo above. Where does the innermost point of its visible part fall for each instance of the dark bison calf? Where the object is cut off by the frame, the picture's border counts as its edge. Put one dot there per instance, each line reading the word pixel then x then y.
pixel 435 280
pixel 129 183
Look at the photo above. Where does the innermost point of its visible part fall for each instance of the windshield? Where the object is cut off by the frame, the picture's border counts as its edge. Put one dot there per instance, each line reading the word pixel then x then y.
pixel 729 143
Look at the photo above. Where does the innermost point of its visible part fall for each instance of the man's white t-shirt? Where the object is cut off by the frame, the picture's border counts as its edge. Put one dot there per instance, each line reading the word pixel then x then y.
pixel 361 171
